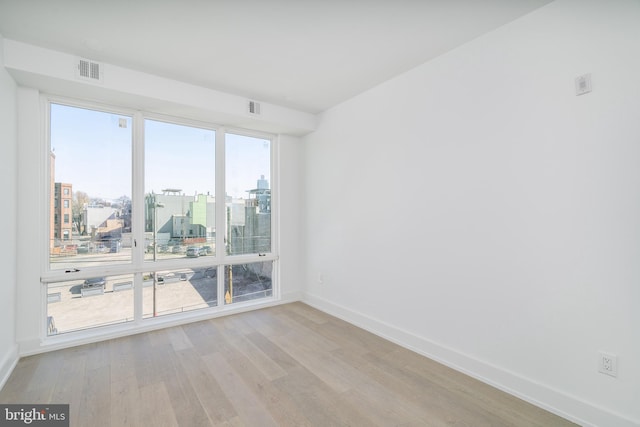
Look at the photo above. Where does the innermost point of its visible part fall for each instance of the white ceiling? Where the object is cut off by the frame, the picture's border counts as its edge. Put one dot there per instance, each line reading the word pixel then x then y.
pixel 305 54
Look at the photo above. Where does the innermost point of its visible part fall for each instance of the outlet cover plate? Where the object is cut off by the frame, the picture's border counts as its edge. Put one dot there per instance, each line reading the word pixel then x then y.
pixel 583 84
pixel 608 364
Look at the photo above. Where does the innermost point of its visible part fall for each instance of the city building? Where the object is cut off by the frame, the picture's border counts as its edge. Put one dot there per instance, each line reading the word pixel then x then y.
pixel 181 216
pixel 62 213
pixel 250 220
pixel 52 202
pixel 102 222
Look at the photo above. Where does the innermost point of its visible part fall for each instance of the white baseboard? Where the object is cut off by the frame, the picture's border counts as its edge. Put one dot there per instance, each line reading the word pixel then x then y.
pixel 550 399
pixel 7 364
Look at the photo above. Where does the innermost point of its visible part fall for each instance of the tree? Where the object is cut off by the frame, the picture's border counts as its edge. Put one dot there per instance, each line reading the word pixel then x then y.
pixel 80 200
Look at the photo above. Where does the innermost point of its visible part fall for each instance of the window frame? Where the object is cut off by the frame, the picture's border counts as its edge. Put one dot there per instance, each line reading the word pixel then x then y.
pixel 141 191
pixel 274 194
pixel 137 265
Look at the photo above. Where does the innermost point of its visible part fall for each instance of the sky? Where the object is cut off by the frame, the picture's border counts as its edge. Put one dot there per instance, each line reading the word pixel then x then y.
pixel 93 153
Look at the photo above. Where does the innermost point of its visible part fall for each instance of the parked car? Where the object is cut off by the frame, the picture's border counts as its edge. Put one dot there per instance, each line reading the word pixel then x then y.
pixel 194 251
pixel 95 282
pixel 206 250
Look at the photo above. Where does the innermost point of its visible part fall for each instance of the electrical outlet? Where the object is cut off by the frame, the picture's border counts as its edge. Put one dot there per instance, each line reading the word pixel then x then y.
pixel 583 84
pixel 608 364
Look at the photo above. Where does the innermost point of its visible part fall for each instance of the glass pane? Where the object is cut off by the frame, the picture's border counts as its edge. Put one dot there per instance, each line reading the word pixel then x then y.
pixel 80 304
pixel 246 282
pixel 180 190
pixel 90 159
pixel 248 174
pixel 177 291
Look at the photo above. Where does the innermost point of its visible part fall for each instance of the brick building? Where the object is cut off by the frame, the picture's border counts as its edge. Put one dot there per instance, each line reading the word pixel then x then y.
pixel 62 212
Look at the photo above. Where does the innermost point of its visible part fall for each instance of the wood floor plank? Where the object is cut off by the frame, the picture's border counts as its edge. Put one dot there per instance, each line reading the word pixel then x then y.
pixel 334 374
pixel 69 387
pixel 158 338
pixel 336 333
pixel 151 363
pixel 265 323
pixel 322 405
pixel 122 354
pixel 233 422
pixel 178 338
pixel 283 410
pixel 156 407
pixel 323 363
pixel 309 313
pixel 184 398
pixel 125 398
pixel 275 353
pixel 204 336
pixel 211 396
pixel 237 323
pixel 41 385
pixel 249 408
pixel 385 411
pixel 302 333
pixel 95 406
pixel 47 371
pixel 363 338
pixel 98 355
pixel 239 341
pixel 374 392
pixel 342 334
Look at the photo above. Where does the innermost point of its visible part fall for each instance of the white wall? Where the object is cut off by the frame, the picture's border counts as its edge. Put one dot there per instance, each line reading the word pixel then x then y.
pixel 31 170
pixel 8 172
pixel 290 217
pixel 476 210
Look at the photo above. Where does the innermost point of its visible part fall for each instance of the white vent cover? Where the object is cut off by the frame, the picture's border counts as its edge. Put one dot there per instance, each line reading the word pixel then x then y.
pixel 254 108
pixel 89 70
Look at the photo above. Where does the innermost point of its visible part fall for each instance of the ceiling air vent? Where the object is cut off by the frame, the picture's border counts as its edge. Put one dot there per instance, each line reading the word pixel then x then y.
pixel 89 70
pixel 254 108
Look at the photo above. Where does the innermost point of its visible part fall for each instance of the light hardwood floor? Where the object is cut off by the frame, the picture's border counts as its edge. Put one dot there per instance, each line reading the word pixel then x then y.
pixel 289 365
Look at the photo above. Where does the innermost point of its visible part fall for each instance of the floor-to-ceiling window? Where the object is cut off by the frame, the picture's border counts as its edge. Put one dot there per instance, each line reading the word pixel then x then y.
pixel 152 216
